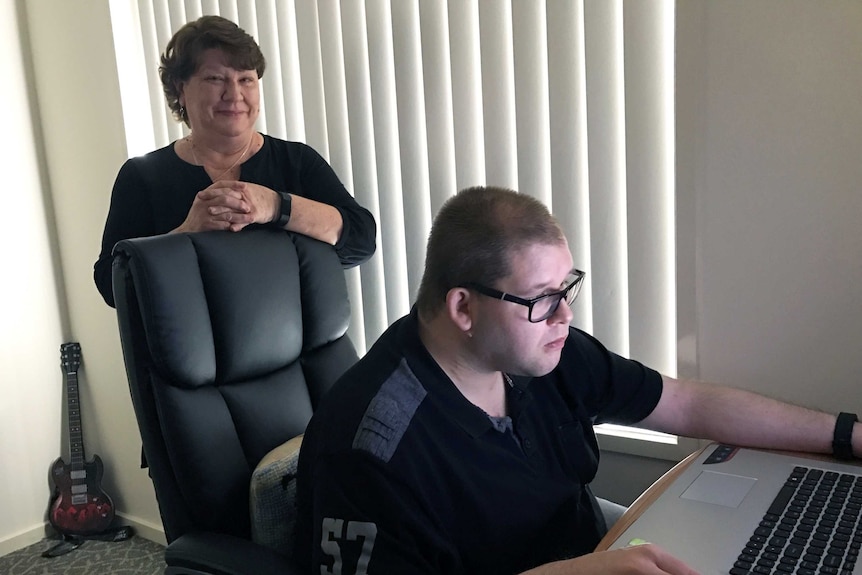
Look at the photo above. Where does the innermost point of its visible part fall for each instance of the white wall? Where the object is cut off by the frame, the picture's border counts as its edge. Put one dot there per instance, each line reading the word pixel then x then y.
pixel 768 176
pixel 778 186
pixel 31 329
pixel 769 204
pixel 79 133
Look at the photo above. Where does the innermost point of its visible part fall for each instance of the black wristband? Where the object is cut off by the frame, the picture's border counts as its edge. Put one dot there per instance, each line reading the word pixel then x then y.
pixel 842 441
pixel 284 210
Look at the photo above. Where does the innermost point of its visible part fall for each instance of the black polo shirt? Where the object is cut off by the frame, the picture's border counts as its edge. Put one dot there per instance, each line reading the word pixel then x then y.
pixel 400 473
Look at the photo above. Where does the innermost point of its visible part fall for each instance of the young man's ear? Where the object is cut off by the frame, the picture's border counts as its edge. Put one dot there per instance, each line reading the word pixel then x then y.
pixel 459 308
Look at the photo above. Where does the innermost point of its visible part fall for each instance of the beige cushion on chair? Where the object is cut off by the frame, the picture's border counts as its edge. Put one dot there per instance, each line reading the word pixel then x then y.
pixel 272 494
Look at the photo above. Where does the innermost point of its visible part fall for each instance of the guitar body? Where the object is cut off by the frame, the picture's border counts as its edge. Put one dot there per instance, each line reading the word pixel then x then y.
pixel 79 506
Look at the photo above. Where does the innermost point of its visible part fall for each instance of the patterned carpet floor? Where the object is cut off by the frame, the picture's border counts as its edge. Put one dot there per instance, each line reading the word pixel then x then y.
pixel 135 556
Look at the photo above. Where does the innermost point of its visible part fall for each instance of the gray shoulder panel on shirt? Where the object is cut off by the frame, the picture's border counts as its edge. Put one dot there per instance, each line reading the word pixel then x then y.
pixel 389 413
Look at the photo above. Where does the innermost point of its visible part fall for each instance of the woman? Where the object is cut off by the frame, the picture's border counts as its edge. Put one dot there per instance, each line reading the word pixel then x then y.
pixel 225 175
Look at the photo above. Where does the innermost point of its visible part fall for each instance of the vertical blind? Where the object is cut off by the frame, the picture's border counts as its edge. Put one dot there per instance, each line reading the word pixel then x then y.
pixel 570 101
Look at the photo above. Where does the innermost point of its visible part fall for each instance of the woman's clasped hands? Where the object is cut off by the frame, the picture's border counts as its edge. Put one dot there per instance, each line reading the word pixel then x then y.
pixel 230 205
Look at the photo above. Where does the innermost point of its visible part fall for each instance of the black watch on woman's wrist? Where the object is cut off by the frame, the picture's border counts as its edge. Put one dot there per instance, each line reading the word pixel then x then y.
pixel 284 209
pixel 842 440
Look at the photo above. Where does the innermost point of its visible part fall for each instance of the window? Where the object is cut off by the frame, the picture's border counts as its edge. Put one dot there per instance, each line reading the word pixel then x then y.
pixel 567 100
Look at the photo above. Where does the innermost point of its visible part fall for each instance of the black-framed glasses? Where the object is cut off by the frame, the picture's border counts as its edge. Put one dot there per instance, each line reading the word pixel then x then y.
pixel 541 307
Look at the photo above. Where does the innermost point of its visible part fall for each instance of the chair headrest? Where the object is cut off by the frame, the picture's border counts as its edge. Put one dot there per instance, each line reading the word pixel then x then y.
pixel 222 307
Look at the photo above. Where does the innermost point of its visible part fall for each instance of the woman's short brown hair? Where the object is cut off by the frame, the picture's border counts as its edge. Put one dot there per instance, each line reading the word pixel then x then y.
pixel 475 235
pixel 182 55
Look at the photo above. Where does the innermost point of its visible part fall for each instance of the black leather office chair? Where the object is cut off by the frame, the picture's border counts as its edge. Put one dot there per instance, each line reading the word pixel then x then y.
pixel 229 341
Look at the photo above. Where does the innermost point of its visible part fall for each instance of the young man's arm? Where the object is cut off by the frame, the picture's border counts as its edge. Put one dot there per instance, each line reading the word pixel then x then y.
pixel 642 559
pixel 738 417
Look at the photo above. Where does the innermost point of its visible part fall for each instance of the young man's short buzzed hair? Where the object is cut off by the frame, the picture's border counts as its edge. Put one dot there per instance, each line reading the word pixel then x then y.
pixel 473 237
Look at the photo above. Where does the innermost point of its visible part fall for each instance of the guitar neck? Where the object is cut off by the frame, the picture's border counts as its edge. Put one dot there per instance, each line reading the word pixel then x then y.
pixel 76 434
pixel 70 361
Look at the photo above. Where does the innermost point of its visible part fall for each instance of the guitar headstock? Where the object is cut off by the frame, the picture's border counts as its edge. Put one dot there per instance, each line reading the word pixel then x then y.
pixel 70 356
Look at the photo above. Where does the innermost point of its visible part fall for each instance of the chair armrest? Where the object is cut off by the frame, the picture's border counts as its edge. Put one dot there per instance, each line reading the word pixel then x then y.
pixel 205 553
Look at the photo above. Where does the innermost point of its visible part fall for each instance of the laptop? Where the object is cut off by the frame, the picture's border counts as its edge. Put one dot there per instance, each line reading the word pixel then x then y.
pixel 738 511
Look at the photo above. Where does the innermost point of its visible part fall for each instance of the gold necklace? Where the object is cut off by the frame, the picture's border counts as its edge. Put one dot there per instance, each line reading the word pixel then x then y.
pixel 232 166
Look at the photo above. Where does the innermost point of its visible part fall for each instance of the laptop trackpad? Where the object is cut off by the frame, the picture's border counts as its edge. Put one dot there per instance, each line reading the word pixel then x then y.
pixel 719 488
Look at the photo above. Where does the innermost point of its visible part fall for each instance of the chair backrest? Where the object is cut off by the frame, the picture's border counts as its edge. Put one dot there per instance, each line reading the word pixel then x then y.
pixel 229 341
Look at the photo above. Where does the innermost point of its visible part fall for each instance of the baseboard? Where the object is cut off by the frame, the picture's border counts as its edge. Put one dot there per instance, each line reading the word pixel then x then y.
pixel 150 531
pixel 23 539
pixel 145 529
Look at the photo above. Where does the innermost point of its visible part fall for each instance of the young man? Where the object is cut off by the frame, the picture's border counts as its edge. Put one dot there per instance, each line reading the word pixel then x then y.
pixel 463 441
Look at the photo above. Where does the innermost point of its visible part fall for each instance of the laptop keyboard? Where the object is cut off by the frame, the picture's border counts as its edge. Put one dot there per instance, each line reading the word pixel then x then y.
pixel 812 527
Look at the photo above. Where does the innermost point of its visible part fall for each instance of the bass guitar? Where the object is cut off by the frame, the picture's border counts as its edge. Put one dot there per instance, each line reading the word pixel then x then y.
pixel 79 506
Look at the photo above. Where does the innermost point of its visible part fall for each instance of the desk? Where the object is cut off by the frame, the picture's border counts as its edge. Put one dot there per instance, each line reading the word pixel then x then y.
pixel 646 499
